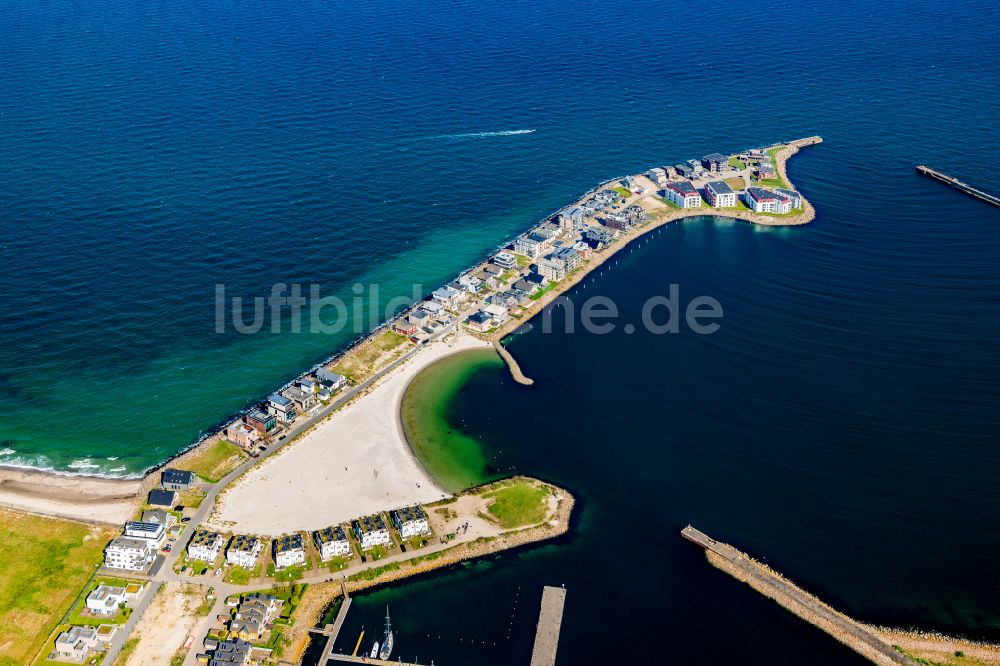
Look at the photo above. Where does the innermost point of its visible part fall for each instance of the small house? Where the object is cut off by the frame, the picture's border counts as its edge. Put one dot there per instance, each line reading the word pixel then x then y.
pixel 176 479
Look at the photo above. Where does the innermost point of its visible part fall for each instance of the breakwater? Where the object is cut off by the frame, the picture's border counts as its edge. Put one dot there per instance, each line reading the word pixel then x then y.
pixel 959 185
pixel 787 594
pixel 512 365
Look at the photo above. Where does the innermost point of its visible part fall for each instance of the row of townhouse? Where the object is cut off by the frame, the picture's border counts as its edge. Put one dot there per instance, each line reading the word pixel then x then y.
pixel 285 407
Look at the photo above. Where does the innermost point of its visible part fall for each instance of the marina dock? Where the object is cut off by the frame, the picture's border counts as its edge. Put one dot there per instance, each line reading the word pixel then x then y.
pixel 773 585
pixel 549 624
pixel 959 185
pixel 331 631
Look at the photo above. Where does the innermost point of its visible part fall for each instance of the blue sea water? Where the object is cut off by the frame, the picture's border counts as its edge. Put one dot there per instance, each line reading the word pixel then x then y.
pixel 150 151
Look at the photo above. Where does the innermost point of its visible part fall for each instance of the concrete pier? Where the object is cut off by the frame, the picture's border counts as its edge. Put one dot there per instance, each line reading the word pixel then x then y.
pixel 515 369
pixel 959 185
pixel 549 624
pixel 333 630
pixel 775 586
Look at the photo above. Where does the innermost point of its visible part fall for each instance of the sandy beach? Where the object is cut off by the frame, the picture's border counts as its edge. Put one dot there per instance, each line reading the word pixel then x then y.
pixel 355 463
pixel 87 498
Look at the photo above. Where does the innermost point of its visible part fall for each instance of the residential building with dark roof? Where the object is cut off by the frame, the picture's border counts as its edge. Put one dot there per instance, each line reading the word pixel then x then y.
pixel 683 194
pixel 719 194
pixel 177 479
pixel 760 200
pixel 411 521
pixel 714 162
pixel 289 550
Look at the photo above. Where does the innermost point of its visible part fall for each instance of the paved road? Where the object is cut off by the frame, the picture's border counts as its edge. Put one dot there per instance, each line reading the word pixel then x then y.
pixel 165 571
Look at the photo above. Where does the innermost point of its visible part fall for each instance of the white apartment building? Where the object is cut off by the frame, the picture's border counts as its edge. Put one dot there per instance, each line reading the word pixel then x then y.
pixel 719 194
pixel 205 546
pixel 129 554
pixel 332 542
pixel 243 551
pixel 411 521
pixel 371 531
pixel 289 550
pixel 760 200
pixel 683 194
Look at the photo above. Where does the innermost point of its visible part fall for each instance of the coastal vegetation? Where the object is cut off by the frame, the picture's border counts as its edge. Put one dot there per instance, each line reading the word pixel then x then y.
pixel 44 565
pixel 363 360
pixel 214 461
pixel 522 502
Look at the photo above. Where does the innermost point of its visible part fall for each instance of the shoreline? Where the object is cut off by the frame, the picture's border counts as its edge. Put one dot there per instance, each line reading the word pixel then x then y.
pixel 360 448
pixel 30 494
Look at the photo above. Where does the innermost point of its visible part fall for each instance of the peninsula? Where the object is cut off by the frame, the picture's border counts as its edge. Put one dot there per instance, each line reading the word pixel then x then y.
pixel 318 486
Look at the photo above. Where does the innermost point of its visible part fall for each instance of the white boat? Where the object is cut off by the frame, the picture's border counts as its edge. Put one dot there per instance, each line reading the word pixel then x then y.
pixel 387 638
pixel 374 653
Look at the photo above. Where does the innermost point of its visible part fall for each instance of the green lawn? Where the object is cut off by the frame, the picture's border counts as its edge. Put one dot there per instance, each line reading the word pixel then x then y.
pixel 541 292
pixel 215 461
pixel 44 564
pixel 241 576
pixel 518 504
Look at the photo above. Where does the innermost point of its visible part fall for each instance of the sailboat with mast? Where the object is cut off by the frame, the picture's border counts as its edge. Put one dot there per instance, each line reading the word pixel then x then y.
pixel 386 638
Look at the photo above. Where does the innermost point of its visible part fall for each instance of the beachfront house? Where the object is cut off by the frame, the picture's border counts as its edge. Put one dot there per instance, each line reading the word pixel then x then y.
pixel 714 162
pixel 289 550
pixel 760 200
pixel 301 400
pixel 683 170
pixel 446 296
pixel 261 421
pixel 794 198
pixel 281 408
pixel 618 222
pixel 570 217
pixel 330 379
pixel 683 194
pixel 243 551
pixel 479 321
pixel 719 194
pixel 205 546
pixel 162 498
pixel 176 479
pixel 105 600
pixel 525 286
pixel 241 434
pixel 371 531
pixel 658 176
pixel 469 283
pixel 332 542
pixel 411 521
pixel 76 643
pixel 405 327
pixel 505 260
pixel 154 516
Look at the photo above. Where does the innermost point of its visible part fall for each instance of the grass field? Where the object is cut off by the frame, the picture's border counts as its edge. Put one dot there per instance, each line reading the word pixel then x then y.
pixel 215 461
pixel 362 362
pixel 519 504
pixel 44 564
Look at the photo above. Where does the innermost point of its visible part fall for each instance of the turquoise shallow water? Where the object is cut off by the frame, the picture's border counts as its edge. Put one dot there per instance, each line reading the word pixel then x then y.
pixel 152 151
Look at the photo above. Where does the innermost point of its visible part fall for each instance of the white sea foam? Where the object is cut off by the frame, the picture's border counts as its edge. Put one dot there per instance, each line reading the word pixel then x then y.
pixel 115 470
pixel 479 135
pixel 112 458
pixel 7 452
pixel 83 463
